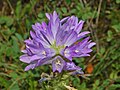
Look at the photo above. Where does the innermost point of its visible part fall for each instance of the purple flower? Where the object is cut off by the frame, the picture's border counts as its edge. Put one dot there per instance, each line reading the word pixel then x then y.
pixel 53 42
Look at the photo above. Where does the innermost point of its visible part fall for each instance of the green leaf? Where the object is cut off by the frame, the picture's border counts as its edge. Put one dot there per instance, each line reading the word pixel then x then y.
pixel 68 1
pixel 7 20
pixel 105 84
pixel 110 35
pixel 73 11
pixel 14 75
pixel 114 87
pixel 18 9
pixel 97 82
pixel 6 33
pixel 14 86
pixel 116 27
pixel 9 51
pixel 15 46
pixel 4 82
pixel 20 38
pixel 64 9
pixel 102 50
pixel 2 20
pixel 83 86
pixel 118 1
pixel 40 15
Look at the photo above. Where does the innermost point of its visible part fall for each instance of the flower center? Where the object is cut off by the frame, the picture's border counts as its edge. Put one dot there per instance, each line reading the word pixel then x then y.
pixel 57 48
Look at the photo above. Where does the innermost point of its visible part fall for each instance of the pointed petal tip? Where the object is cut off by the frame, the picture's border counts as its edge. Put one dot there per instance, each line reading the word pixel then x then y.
pixel 26 69
pixel 91 44
pixel 30 66
pixel 24 51
pixel 47 15
pixel 54 12
pixel 64 19
pixel 83 34
pixel 27 41
pixel 81 21
pixel 24 58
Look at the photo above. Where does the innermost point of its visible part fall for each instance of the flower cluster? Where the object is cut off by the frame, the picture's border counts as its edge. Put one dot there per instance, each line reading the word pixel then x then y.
pixel 56 43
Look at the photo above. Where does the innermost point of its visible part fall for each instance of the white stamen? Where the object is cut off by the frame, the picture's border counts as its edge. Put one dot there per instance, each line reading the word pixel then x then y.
pixel 58 62
pixel 45 29
pixel 44 53
pixel 76 51
pixel 66 53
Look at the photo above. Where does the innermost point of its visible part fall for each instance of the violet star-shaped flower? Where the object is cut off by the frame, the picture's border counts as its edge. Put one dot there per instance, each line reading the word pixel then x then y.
pixel 51 43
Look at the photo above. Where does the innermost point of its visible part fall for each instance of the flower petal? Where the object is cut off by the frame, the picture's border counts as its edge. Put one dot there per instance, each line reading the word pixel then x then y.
pixel 58 64
pixel 31 66
pixel 72 38
pixel 25 58
pixel 78 28
pixel 71 66
pixel 91 44
pixel 83 34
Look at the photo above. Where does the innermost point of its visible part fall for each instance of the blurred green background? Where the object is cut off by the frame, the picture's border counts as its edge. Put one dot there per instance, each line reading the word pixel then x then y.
pixel 102 19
